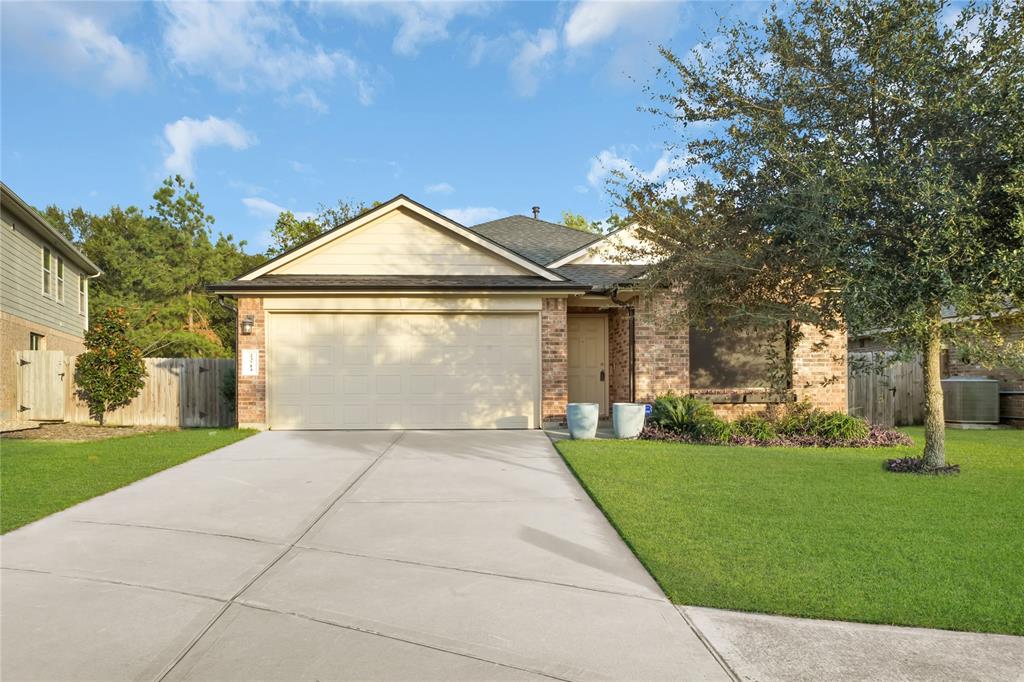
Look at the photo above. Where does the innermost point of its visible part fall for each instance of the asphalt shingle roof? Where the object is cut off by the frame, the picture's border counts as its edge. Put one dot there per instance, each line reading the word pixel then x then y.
pixel 602 276
pixel 540 241
pixel 396 282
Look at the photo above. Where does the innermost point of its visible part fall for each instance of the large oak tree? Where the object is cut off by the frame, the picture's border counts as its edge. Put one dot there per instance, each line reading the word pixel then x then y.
pixel 850 165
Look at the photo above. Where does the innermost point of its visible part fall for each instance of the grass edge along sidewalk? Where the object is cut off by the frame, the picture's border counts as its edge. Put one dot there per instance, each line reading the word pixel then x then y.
pixel 39 478
pixel 823 533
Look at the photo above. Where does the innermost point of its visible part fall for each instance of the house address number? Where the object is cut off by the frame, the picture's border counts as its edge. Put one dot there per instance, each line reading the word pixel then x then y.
pixel 250 362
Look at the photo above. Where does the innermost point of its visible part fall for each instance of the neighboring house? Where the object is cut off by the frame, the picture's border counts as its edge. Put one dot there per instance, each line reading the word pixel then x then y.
pixel 957 362
pixel 403 318
pixel 44 291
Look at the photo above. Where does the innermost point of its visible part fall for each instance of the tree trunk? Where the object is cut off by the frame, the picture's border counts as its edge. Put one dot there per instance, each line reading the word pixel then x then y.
pixel 934 420
pixel 190 318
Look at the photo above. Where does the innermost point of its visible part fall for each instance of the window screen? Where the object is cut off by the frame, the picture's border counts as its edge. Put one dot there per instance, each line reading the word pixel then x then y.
pixel 732 358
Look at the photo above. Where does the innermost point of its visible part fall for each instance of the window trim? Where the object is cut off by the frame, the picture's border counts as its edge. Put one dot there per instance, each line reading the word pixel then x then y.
pixel 36 341
pixel 60 279
pixel 47 271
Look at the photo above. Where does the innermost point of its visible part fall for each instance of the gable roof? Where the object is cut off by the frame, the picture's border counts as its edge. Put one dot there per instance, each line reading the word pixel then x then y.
pixel 402 201
pixel 568 257
pixel 38 224
pixel 540 241
pixel 602 277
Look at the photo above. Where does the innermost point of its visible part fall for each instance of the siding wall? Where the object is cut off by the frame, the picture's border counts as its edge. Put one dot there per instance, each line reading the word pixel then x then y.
pixel 21 284
pixel 399 243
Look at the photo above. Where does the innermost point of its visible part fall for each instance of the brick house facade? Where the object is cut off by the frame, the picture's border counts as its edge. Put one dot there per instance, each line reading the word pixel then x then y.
pixel 502 350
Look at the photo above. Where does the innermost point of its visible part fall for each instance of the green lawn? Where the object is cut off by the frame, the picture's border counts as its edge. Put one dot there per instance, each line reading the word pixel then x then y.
pixel 823 533
pixel 38 478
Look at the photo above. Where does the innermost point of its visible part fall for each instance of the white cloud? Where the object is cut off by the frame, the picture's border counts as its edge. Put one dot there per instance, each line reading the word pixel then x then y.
pixel 243 45
pixel 77 40
pixel 439 188
pixel 187 135
pixel 610 163
pixel 307 97
pixel 419 23
pixel 596 21
pixel 300 167
pixel 527 65
pixel 473 215
pixel 259 206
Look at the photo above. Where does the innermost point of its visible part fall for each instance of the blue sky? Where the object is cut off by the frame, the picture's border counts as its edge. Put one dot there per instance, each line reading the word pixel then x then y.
pixel 478 110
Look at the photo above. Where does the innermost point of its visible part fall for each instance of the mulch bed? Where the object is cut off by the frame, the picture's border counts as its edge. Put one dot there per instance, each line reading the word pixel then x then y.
pixel 915 465
pixel 80 432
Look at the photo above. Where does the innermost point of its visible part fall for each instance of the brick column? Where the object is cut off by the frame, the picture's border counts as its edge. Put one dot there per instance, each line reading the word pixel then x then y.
pixel 618 356
pixel 251 396
pixel 819 369
pixel 662 347
pixel 554 358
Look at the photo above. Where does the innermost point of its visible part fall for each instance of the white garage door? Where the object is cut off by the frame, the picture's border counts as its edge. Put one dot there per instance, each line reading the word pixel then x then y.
pixel 402 371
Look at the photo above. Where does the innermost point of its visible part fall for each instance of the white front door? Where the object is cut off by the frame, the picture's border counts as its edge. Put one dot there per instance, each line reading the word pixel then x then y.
pixel 588 360
pixel 403 370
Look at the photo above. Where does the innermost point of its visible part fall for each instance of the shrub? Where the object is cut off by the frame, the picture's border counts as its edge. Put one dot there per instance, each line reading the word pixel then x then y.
pixel 836 427
pixel 802 420
pixel 682 419
pixel 755 427
pixel 689 416
pixel 111 372
pixel 228 387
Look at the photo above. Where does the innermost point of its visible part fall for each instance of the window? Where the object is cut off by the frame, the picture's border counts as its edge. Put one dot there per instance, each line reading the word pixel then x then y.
pixel 47 272
pixel 733 358
pixel 60 279
pixel 36 341
pixel 83 283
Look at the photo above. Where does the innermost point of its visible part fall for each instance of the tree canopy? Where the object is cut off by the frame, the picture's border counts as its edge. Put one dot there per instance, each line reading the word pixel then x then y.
pixel 290 231
pixel 156 265
pixel 851 165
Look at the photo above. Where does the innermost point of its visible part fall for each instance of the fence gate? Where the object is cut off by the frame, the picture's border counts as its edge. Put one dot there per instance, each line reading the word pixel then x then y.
pixel 41 384
pixel 892 396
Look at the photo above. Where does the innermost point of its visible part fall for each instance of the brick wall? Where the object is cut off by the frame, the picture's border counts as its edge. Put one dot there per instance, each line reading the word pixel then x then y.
pixel 618 356
pixel 252 391
pixel 554 358
pixel 819 369
pixel 662 348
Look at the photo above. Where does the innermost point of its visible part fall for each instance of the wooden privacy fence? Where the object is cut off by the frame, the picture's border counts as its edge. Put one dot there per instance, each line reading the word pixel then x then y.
pixel 891 396
pixel 185 392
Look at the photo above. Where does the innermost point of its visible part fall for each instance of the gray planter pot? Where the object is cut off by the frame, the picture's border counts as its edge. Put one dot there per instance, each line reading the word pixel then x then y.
pixel 582 419
pixel 628 419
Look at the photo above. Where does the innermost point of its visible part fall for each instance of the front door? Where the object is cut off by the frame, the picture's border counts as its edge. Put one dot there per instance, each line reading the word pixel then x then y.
pixel 588 360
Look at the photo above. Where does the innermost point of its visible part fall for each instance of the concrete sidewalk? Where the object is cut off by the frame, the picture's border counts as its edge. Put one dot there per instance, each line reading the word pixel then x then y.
pixel 342 555
pixel 762 647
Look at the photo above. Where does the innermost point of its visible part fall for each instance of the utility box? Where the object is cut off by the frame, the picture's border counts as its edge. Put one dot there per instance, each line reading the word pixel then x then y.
pixel 970 400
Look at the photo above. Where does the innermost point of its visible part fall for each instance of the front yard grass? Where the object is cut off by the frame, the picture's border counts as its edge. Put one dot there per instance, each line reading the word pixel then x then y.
pixel 823 533
pixel 38 478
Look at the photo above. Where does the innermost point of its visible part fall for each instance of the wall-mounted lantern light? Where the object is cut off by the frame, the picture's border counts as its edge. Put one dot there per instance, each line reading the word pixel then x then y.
pixel 247 324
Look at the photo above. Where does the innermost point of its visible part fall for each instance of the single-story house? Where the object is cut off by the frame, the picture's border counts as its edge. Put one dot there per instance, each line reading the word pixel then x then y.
pixel 44 292
pixel 403 318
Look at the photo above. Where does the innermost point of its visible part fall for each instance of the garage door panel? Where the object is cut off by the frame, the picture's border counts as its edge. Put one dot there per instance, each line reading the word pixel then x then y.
pixel 355 385
pixel 400 370
pixel 357 354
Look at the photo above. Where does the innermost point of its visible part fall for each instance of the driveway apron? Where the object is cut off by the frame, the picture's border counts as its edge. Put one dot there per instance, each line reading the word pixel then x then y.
pixel 342 555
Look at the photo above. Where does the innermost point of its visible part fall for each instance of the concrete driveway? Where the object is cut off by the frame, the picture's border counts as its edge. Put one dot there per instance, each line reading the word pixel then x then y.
pixel 341 555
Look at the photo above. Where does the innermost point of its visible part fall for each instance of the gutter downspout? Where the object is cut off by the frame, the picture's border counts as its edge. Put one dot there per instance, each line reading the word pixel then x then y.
pixel 631 317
